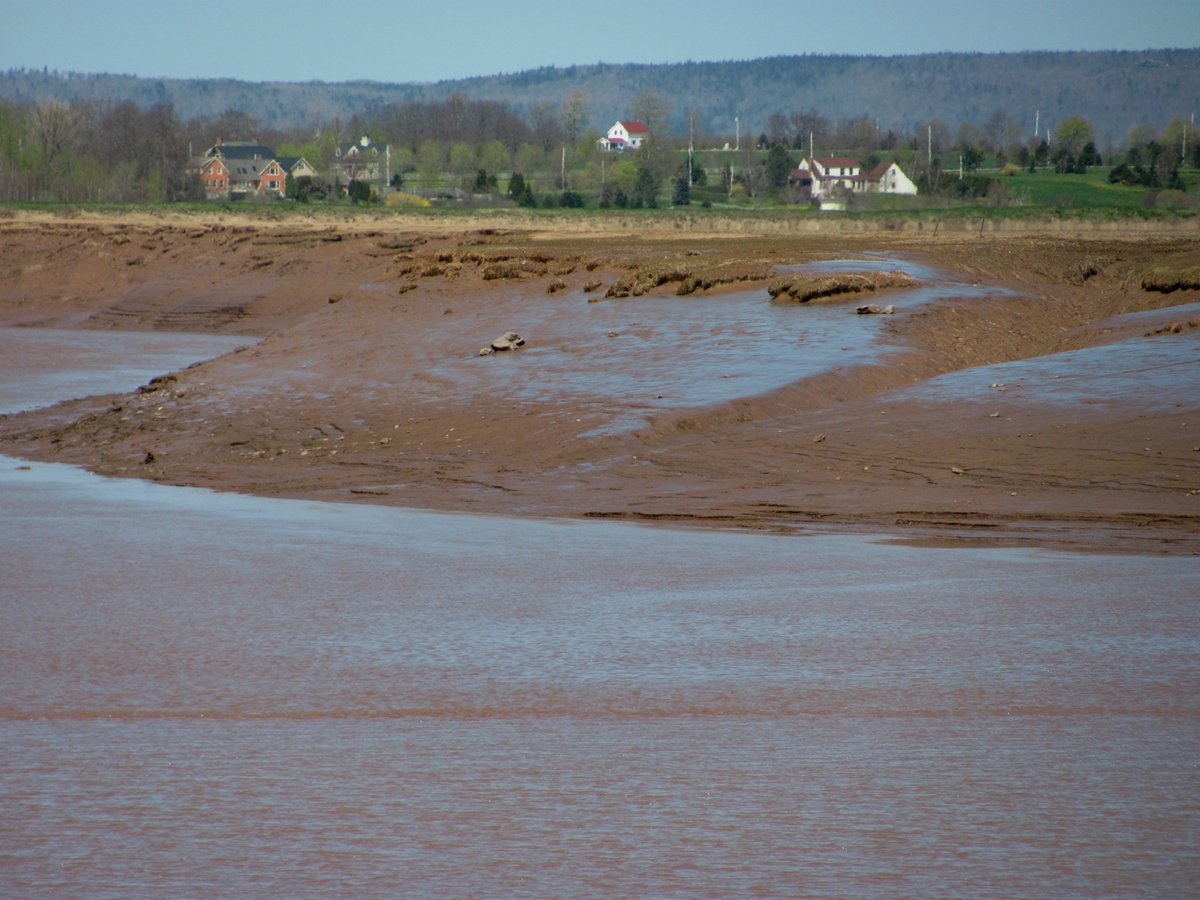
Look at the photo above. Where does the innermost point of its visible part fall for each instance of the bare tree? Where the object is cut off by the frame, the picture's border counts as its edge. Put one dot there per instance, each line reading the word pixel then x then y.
pixel 55 129
pixel 652 111
pixel 574 115
pixel 546 125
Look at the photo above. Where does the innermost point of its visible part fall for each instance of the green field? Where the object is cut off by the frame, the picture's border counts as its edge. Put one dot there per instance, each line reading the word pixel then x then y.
pixel 1089 191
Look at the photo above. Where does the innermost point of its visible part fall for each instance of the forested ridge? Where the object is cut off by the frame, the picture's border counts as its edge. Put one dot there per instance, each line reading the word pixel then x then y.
pixel 1114 90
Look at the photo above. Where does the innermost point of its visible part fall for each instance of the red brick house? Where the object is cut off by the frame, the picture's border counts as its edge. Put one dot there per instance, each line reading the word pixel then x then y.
pixel 245 168
pixel 215 177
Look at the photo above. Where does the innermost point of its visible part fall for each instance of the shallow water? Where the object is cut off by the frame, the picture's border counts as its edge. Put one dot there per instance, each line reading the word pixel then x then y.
pixel 669 352
pixel 40 366
pixel 1154 373
pixel 211 694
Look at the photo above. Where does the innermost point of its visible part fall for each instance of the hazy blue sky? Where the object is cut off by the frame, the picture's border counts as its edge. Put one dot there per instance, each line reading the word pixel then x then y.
pixel 431 40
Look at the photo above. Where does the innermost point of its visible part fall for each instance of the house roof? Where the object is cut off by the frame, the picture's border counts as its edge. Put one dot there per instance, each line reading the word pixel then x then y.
pixel 241 150
pixel 838 162
pixel 877 173
pixel 290 162
pixel 247 169
pixel 355 148
pixel 636 128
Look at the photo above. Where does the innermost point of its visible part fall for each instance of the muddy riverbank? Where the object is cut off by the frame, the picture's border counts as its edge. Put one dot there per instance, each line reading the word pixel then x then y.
pixel 365 383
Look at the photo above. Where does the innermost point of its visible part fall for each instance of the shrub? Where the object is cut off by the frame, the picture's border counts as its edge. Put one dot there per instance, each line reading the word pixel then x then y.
pixel 406 200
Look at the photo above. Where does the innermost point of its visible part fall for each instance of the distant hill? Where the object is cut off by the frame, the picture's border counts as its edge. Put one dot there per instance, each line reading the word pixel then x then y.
pixel 1115 90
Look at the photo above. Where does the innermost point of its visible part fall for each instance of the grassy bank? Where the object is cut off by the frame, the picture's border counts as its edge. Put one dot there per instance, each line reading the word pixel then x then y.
pixel 951 219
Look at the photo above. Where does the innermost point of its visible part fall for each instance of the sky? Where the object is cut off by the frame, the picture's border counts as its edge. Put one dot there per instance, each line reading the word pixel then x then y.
pixel 436 40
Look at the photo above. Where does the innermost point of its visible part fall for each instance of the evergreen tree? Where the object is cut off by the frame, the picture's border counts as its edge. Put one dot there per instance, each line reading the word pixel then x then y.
pixel 682 195
pixel 645 188
pixel 779 166
pixel 516 187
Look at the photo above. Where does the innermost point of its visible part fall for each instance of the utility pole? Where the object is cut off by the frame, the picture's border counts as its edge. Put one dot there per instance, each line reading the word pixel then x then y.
pixel 691 148
pixel 929 145
pixel 737 133
pixel 1037 123
pixel 563 176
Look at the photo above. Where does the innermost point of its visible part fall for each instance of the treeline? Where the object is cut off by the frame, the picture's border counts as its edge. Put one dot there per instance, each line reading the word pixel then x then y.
pixel 120 152
pixel 1115 90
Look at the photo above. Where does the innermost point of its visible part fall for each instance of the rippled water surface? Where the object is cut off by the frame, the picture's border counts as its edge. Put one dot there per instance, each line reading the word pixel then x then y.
pixel 213 695
pixel 1151 372
pixel 40 366
pixel 667 352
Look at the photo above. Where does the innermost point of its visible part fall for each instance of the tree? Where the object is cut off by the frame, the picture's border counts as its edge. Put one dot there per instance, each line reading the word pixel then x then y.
pixel 484 183
pixel 546 125
pixel 574 115
pixel 235 125
pixel 1139 136
pixel 646 187
pixel 682 195
pixel 652 111
pixel 1176 136
pixel 530 159
pixel 462 160
pixel 516 186
pixel 55 127
pixel 429 162
pixel 494 157
pixel 970 135
pixel 972 158
pixel 860 135
pixel 1041 155
pixel 810 128
pixel 1072 135
pixel 779 165
pixel 1002 133
pixel 751 173
pixel 780 130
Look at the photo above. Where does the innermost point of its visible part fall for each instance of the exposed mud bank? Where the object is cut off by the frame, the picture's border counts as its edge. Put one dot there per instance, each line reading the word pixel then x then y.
pixel 359 388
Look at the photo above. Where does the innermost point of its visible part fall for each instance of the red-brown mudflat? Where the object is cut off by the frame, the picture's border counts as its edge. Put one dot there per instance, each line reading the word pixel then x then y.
pixel 366 384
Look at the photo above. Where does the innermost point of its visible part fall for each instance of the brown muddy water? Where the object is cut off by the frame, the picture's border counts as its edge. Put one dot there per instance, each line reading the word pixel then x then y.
pixel 208 694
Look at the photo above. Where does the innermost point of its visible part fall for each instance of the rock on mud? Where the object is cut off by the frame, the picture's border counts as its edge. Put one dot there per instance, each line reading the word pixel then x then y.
pixel 510 340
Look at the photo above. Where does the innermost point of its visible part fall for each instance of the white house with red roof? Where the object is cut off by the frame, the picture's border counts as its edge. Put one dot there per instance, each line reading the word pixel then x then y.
pixel 624 136
pixel 824 177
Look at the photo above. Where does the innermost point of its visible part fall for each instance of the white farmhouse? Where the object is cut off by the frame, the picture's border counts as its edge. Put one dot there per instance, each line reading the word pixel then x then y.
pixel 624 136
pixel 824 177
pixel 889 178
